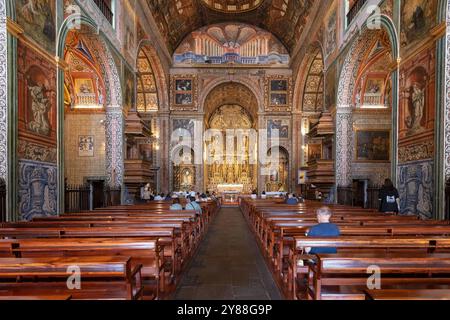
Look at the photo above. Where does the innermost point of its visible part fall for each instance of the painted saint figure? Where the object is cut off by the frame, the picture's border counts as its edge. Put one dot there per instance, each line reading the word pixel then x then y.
pixel 40 108
pixel 418 103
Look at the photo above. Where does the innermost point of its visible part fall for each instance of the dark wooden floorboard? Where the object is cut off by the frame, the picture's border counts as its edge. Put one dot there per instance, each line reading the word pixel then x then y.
pixel 228 264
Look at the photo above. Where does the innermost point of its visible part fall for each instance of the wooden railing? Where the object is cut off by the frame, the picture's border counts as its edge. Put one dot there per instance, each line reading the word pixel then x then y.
pixel 77 198
pixel 112 196
pixel 373 201
pixel 3 216
pixel 105 8
pixel 354 10
pixel 345 196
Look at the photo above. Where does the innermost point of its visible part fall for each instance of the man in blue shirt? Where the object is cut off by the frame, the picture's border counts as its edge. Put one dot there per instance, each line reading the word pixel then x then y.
pixel 291 200
pixel 324 229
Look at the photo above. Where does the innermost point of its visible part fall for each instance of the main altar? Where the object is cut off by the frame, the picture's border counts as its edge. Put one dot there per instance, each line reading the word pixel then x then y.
pixel 229 170
pixel 230 192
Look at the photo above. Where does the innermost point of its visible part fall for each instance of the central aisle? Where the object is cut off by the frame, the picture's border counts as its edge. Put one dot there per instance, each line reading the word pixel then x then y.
pixel 228 265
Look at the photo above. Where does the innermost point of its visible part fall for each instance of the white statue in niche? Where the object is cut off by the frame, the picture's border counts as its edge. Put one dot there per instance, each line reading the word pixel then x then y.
pixel 40 107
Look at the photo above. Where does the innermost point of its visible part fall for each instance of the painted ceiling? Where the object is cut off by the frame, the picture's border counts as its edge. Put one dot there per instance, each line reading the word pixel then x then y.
pixel 176 19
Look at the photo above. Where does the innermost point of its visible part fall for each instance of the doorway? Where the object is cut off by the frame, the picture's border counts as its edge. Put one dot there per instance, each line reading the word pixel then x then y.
pixel 97 194
pixel 360 193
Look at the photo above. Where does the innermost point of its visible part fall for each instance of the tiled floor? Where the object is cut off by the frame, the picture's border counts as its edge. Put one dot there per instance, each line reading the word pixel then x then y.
pixel 228 265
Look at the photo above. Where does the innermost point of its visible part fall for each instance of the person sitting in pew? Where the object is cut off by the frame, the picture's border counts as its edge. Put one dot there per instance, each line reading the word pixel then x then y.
pixel 300 199
pixel 291 200
pixel 325 229
pixel 159 197
pixel 176 206
pixel 168 197
pixel 193 205
pixel 263 195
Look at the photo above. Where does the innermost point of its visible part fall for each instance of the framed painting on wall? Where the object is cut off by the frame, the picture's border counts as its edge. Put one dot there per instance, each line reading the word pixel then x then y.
pixel 84 86
pixel 278 91
pixel 314 152
pixel 373 146
pixel 85 146
pixel 184 93
pixel 281 125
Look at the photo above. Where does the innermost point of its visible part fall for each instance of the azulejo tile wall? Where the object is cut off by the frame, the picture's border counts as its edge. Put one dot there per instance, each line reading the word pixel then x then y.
pixel 37 189
pixel 415 181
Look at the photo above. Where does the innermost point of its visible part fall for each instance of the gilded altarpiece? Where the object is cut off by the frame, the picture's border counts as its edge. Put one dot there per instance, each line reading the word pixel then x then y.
pixel 230 150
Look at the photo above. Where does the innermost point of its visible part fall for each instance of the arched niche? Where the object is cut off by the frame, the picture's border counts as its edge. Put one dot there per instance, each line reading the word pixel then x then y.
pixel 184 169
pixel 114 118
pixel 359 49
pixel 277 177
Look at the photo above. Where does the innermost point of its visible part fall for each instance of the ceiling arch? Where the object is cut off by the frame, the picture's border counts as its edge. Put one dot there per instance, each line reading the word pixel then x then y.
pixel 231 93
pixel 286 19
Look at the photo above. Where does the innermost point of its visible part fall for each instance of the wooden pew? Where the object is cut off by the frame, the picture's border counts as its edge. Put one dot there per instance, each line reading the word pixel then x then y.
pixel 142 251
pixel 36 298
pixel 164 235
pixel 358 245
pixel 345 277
pixel 182 230
pixel 400 294
pixel 102 278
pixel 277 225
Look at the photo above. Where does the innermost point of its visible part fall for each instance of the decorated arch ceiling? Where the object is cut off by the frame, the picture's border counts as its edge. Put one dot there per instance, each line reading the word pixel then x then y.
pixel 235 43
pixel 285 19
pixel 231 94
pixel 232 6
pixel 83 83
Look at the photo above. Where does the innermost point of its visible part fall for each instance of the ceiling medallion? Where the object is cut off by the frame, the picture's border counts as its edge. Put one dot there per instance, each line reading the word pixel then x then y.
pixel 232 6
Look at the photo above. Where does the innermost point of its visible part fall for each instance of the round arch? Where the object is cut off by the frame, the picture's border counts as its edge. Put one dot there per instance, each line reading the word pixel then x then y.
pixel 302 76
pixel 159 73
pixel 114 114
pixel 251 85
pixel 352 63
pixel 100 50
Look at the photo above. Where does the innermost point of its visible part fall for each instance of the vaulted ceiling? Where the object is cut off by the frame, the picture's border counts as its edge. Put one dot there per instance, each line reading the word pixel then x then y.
pixel 286 19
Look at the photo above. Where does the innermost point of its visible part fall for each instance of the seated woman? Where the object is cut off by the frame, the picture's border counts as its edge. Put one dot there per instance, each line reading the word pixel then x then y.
pixel 176 206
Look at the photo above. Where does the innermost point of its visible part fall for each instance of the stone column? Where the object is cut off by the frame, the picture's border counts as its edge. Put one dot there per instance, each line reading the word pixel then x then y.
pixel 114 145
pixel 162 156
pixel 3 91
pixel 4 143
pixel 344 145
pixel 447 96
